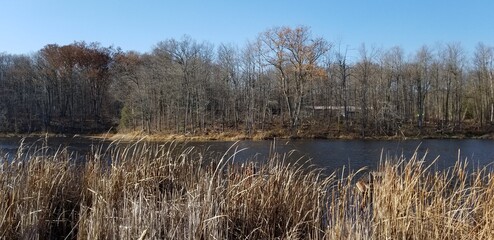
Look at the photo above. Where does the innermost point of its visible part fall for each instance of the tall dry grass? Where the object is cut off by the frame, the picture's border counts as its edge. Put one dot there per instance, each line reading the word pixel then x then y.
pixel 150 191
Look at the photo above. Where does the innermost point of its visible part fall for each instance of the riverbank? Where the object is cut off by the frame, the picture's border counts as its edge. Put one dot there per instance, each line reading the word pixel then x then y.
pixel 470 132
pixel 155 192
pixel 270 135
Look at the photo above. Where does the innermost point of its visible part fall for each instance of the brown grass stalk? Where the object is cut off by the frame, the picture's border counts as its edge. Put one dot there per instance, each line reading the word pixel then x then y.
pixel 169 191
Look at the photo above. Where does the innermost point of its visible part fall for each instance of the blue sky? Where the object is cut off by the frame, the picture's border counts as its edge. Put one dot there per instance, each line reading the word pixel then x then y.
pixel 27 25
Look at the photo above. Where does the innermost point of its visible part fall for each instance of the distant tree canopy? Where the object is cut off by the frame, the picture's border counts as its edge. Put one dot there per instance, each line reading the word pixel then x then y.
pixel 60 88
pixel 285 79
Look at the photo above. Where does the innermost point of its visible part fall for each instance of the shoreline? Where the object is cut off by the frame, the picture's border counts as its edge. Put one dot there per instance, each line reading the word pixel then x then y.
pixel 235 136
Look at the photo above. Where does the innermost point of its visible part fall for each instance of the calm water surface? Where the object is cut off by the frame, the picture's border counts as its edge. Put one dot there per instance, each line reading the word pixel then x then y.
pixel 328 154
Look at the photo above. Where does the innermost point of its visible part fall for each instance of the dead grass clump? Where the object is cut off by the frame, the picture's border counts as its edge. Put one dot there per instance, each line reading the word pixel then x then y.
pixel 149 190
pixel 408 200
pixel 39 196
pixel 169 191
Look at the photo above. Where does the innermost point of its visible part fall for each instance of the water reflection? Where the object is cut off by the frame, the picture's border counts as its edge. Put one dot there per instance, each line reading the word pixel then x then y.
pixel 328 154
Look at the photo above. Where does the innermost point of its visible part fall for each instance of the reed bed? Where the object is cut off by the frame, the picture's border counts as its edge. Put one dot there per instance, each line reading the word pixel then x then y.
pixel 168 191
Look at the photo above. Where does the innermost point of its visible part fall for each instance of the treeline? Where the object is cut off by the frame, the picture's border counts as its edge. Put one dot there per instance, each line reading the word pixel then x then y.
pixel 286 79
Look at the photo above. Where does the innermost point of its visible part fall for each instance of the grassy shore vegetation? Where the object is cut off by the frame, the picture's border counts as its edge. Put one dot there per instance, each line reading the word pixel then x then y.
pixel 311 132
pixel 151 191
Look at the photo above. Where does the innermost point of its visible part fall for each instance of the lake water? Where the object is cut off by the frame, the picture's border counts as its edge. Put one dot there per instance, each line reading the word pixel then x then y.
pixel 328 154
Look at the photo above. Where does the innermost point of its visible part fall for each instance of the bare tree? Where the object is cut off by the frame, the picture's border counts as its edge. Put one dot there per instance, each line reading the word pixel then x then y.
pixel 295 55
pixel 483 67
pixel 453 82
pixel 343 74
pixel 423 61
pixel 389 107
pixel 231 99
pixel 363 72
pixel 184 53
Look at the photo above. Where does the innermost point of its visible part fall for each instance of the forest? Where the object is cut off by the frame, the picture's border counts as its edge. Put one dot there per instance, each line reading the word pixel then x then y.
pixel 284 81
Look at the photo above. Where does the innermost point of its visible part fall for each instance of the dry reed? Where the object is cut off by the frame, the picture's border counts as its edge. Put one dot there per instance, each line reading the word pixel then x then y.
pixel 168 191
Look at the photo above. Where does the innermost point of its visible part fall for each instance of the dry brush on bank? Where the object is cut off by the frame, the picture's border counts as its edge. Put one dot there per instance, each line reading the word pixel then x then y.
pixel 168 191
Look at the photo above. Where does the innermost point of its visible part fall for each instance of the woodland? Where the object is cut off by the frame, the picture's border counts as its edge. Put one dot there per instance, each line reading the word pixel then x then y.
pixel 284 82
